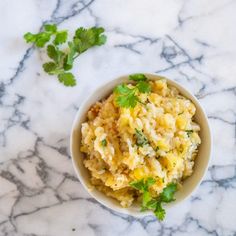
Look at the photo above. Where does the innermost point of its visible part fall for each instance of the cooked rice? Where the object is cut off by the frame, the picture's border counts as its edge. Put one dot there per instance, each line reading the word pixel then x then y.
pixel 166 120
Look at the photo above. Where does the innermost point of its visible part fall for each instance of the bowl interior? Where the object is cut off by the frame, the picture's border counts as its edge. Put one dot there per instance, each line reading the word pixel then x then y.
pixel 189 184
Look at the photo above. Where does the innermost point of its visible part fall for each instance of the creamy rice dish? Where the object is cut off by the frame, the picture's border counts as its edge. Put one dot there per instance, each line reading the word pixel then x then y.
pixel 156 138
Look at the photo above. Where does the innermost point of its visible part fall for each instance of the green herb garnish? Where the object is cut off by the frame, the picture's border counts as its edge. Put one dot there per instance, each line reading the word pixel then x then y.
pixel 104 142
pixel 154 204
pixel 143 187
pixel 189 132
pixel 141 139
pixel 62 60
pixel 138 77
pixel 168 193
pixel 127 97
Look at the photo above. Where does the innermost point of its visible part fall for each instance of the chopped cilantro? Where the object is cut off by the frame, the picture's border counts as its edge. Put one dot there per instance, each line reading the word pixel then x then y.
pixel 141 139
pixel 189 132
pixel 104 142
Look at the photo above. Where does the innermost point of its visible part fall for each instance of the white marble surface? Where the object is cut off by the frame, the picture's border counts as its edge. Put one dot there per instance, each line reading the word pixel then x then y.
pixel 191 41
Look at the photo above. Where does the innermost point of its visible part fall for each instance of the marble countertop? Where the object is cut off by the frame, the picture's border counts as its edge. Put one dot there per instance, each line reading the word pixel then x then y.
pixel 192 42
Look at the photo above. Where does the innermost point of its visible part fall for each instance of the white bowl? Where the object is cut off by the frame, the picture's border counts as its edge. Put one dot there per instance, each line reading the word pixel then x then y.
pixel 189 185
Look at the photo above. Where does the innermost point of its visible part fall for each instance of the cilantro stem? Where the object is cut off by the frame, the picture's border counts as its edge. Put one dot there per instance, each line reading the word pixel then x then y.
pixel 76 56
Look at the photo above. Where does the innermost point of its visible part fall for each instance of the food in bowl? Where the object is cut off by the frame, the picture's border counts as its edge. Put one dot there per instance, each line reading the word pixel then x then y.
pixel 140 143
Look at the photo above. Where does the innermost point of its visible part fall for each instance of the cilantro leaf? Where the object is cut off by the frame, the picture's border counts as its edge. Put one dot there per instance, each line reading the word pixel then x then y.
pixel 138 77
pixel 142 184
pixel 152 204
pixel 127 97
pixel 102 40
pixel 143 87
pixel 52 52
pixel 50 28
pixel 42 39
pixel 50 67
pixel 39 39
pixel 127 101
pixel 122 89
pixel 87 38
pixel 30 38
pixel 141 139
pixel 139 184
pixel 61 37
pixel 57 56
pixel 149 182
pixel 168 193
pixel 67 79
pixel 159 212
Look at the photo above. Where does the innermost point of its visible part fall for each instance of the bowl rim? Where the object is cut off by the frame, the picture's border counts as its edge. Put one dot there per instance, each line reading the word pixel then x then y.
pixel 79 113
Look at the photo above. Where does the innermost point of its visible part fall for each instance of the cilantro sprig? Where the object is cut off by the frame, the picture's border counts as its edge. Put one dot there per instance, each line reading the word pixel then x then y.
pixel 154 204
pixel 127 96
pixel 62 57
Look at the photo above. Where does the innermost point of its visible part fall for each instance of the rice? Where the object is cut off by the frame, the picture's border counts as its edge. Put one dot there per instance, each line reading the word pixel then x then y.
pixel 109 141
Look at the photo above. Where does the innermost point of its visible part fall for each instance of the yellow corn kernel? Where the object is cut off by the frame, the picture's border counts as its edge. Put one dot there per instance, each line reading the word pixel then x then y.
pixel 162 145
pixel 160 84
pixel 109 181
pixel 181 122
pixel 155 98
pixel 185 146
pixel 157 188
pixel 134 112
pixel 143 97
pixel 83 149
pixel 139 173
pixel 169 161
pixel 168 121
pixel 124 120
pixel 159 183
